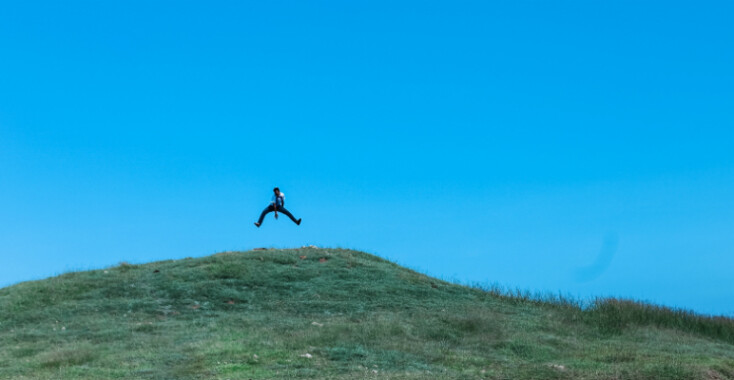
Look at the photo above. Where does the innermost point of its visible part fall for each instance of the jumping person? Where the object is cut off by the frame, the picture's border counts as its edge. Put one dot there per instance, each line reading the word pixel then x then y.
pixel 277 204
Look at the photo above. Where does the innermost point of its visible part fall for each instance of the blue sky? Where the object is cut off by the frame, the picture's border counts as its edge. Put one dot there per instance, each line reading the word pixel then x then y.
pixel 574 147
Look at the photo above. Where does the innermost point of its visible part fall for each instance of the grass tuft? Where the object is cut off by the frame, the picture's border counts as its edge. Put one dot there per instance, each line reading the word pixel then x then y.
pixel 612 316
pixel 71 355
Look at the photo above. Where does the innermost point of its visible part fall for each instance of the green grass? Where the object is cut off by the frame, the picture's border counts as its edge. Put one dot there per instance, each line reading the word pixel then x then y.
pixel 336 314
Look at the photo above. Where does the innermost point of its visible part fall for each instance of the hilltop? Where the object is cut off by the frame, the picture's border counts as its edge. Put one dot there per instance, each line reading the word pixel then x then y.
pixel 338 314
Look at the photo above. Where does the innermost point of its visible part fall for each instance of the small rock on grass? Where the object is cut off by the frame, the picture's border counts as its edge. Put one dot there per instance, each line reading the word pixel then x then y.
pixel 306 355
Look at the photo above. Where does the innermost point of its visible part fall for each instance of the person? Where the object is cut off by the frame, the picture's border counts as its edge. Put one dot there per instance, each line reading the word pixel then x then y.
pixel 277 205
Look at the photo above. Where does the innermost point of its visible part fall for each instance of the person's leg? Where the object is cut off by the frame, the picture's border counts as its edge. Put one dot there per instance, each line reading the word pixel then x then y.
pixel 288 214
pixel 265 212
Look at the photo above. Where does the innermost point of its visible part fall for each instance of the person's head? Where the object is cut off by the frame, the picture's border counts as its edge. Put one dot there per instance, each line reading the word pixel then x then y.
pixel 276 191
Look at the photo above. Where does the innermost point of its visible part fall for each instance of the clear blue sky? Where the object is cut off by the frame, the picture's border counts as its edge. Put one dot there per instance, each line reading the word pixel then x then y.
pixel 576 147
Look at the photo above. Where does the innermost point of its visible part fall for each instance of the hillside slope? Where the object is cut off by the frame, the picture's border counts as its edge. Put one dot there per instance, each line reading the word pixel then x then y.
pixel 332 313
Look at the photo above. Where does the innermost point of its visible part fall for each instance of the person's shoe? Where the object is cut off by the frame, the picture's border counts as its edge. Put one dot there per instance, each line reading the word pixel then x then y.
pixel 257 224
pixel 298 222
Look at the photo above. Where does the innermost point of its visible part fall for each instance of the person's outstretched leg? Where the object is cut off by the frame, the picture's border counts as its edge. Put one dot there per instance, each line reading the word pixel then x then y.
pixel 265 212
pixel 288 214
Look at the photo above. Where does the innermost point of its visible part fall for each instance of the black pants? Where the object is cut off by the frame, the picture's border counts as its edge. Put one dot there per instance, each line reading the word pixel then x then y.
pixel 272 208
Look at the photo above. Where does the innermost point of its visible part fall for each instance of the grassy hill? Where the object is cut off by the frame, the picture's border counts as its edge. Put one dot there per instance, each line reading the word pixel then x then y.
pixel 332 313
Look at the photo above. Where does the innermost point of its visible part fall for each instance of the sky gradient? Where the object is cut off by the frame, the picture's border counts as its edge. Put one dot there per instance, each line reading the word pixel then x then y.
pixel 575 147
